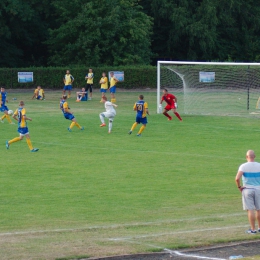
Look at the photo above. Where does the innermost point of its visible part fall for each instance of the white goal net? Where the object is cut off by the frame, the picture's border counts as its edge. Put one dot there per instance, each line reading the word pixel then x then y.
pixel 211 88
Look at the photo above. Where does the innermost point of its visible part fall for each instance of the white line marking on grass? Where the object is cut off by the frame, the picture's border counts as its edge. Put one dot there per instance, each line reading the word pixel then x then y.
pixel 114 226
pixel 174 252
pixel 175 233
pixel 171 252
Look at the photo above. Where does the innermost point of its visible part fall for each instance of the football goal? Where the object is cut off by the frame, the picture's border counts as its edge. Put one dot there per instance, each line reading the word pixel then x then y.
pixel 211 88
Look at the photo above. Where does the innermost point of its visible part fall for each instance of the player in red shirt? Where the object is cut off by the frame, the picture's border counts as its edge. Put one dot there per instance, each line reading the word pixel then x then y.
pixel 171 101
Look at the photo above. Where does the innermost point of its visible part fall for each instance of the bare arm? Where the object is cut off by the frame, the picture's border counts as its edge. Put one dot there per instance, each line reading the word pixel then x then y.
pixel 237 180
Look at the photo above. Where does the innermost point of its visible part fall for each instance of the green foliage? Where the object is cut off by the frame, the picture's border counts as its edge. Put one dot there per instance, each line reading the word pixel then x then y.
pixel 100 32
pixel 52 77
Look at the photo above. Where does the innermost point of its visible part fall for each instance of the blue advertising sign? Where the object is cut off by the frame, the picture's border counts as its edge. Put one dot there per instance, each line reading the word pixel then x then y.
pixel 25 77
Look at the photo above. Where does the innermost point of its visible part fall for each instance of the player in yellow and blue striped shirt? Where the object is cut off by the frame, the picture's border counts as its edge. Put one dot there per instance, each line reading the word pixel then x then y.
pixel 20 116
pixel 68 80
pixel 141 108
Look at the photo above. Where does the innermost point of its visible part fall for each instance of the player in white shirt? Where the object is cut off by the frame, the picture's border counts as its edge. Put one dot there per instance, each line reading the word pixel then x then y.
pixel 110 113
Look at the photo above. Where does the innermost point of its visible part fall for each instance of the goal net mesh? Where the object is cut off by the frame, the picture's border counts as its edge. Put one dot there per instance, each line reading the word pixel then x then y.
pixel 213 89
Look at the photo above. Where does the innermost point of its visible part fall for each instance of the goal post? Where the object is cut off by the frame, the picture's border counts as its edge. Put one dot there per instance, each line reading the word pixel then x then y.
pixel 211 88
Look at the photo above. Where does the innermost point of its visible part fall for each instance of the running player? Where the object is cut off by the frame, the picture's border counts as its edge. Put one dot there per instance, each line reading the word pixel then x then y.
pixel 89 77
pixel 141 108
pixel 20 116
pixel 171 101
pixel 3 107
pixel 68 114
pixel 110 113
pixel 68 80
pixel 112 88
pixel 39 93
pixel 104 85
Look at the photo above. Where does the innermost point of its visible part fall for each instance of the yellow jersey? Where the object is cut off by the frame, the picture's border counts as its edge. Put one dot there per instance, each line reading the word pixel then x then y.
pixel 104 85
pixel 90 78
pixel 68 79
pixel 113 81
pixel 20 113
pixel 39 92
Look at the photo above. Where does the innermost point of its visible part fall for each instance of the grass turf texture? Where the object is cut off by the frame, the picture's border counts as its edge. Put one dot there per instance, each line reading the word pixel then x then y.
pixel 90 193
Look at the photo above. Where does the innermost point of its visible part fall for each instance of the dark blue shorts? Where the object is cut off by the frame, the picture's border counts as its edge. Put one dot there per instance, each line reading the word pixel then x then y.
pixel 23 130
pixel 103 90
pixel 67 87
pixel 39 97
pixel 69 116
pixel 142 120
pixel 113 89
pixel 3 108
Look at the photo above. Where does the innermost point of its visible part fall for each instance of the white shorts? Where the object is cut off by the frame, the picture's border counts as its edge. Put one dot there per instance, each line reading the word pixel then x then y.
pixel 109 115
pixel 251 199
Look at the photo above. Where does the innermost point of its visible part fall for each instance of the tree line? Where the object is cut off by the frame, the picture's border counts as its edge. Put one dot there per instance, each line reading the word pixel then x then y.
pixel 127 32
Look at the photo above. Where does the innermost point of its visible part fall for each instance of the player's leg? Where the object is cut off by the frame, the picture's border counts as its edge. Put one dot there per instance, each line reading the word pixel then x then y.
pixel 110 124
pixel 177 114
pixel 6 115
pixel 165 112
pixel 251 219
pixel 112 93
pixel 137 121
pixel 64 90
pixel 14 140
pixel 144 122
pixel 69 92
pixel 29 143
pixel 90 91
pixel 102 119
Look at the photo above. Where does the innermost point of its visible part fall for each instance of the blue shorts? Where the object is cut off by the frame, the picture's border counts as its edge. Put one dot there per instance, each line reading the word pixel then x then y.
pixel 67 87
pixel 3 108
pixel 103 90
pixel 142 120
pixel 69 116
pixel 113 89
pixel 39 97
pixel 23 130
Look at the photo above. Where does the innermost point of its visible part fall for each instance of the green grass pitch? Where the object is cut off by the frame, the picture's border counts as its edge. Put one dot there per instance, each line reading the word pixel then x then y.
pixel 94 194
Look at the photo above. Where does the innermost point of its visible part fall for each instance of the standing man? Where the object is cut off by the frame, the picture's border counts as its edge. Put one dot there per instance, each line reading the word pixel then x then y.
pixel 3 107
pixel 39 93
pixel 141 108
pixel 110 113
pixel 250 189
pixel 104 85
pixel 68 80
pixel 68 114
pixel 20 116
pixel 171 101
pixel 89 77
pixel 112 88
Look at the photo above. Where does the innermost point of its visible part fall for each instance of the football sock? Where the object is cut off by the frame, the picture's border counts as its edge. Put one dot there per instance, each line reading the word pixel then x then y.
pixel 72 125
pixel 141 129
pixel 8 118
pixel 166 114
pixel 16 139
pixel 134 126
pixel 28 140
pixel 177 114
pixel 109 126
pixel 101 118
pixel 3 117
pixel 77 125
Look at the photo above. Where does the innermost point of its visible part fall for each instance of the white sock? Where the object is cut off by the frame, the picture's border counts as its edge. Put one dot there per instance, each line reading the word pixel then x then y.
pixel 102 118
pixel 110 126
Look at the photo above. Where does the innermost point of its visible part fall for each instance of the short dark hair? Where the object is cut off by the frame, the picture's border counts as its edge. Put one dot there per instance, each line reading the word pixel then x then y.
pixel 64 96
pixel 141 97
pixel 165 89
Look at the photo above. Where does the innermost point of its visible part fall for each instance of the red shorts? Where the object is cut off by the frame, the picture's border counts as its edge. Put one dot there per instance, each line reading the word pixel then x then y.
pixel 169 107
